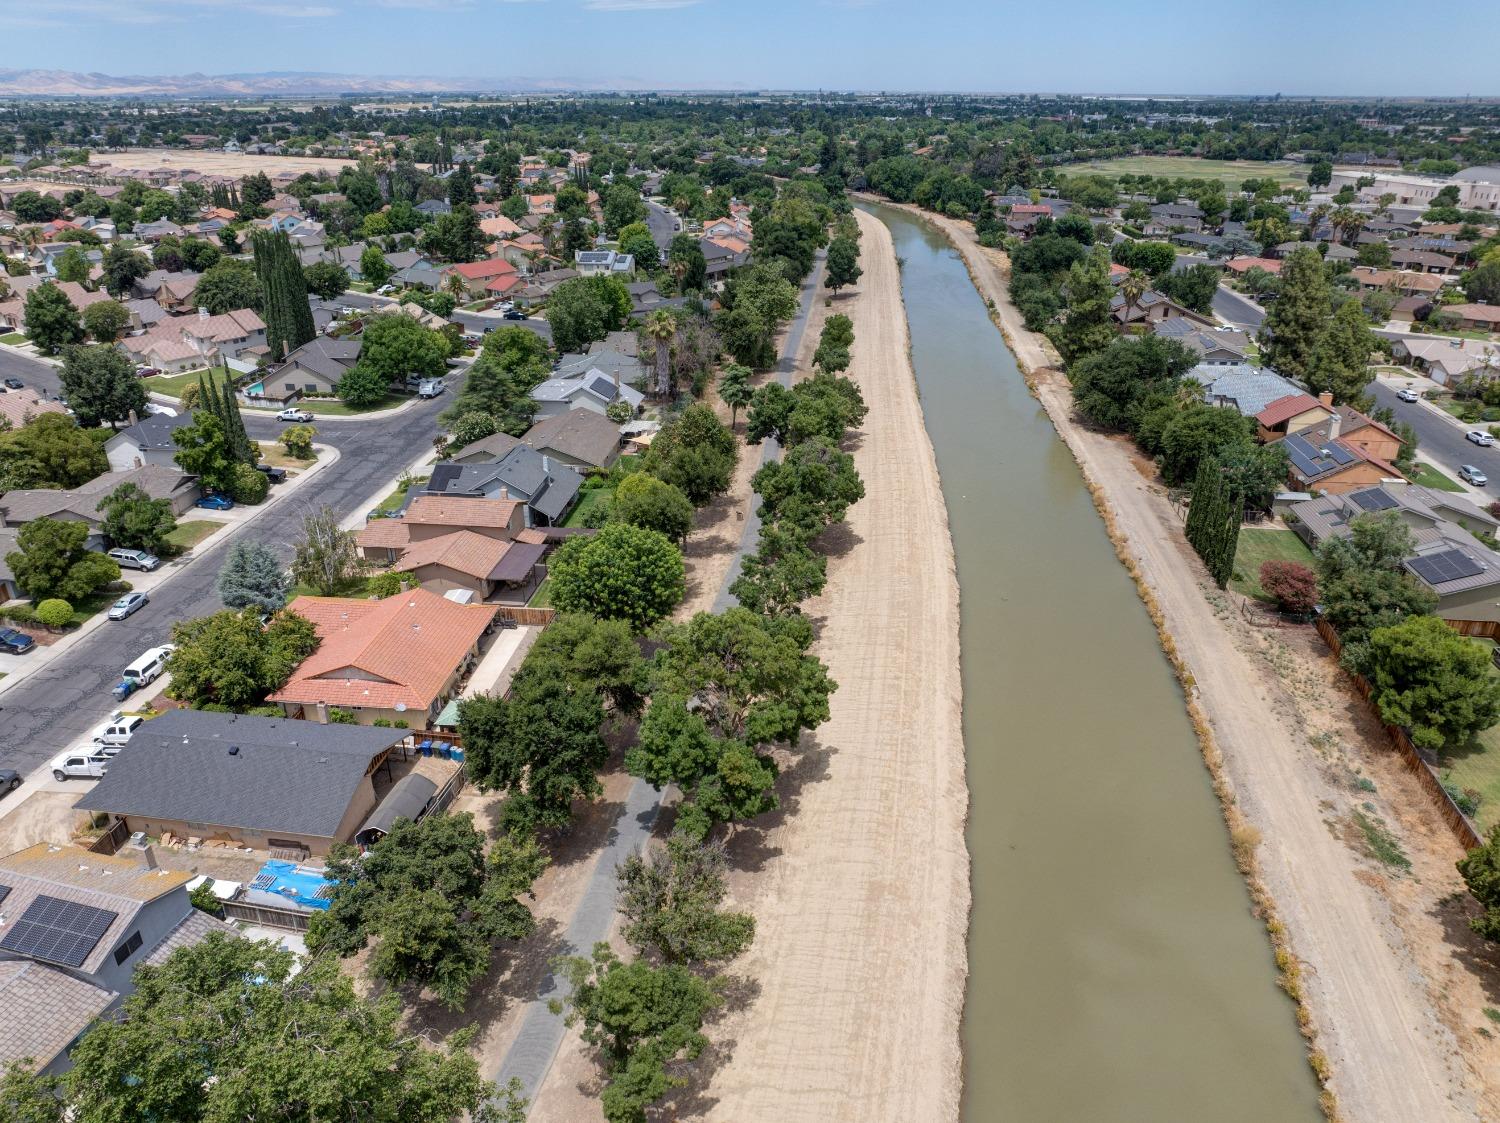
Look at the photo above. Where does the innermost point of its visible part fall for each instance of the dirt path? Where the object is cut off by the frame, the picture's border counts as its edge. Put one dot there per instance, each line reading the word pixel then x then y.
pixel 860 890
pixel 1392 1055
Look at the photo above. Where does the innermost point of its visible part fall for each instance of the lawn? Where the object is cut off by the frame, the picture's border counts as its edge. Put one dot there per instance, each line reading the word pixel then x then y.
pixel 1477 767
pixel 327 407
pixel 595 499
pixel 357 587
pixel 1257 546
pixel 15 339
pixel 277 457
pixel 1428 476
pixel 189 534
pixel 395 499
pixel 172 384
pixel 542 598
pixel 1228 172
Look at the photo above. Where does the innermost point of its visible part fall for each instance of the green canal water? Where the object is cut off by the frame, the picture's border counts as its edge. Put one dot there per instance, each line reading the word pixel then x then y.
pixel 1116 974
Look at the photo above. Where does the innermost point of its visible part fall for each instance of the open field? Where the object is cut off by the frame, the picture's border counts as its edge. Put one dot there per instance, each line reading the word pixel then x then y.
pixel 216 163
pixel 1256 547
pixel 1227 172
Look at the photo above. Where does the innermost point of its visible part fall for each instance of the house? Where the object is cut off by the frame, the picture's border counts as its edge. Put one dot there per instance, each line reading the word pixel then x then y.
pixel 183 342
pixel 434 207
pixel 592 390
pixel 1243 265
pixel 81 504
pixel 313 368
pixel 1445 360
pixel 1355 429
pixel 500 228
pixel 1152 308
pixel 173 291
pixel 432 516
pixel 1240 386
pixel 617 356
pixel 74 926
pixel 1395 280
pixel 720 260
pixel 1221 347
pixel 603 263
pixel 646 298
pixel 1331 465
pixel 156 231
pixel 148 441
pixel 1423 261
pixel 549 489
pixel 419 276
pixel 1460 569
pixel 399 659
pixel 485 449
pixel 1475 317
pixel 465 560
pixel 17 407
pixel 1291 414
pixel 478 275
pixel 260 782
pixel 145 313
pixel 580 438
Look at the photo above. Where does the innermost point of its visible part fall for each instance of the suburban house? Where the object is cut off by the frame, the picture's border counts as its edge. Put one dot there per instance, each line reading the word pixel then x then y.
pixel 20 406
pixel 1449 559
pixel 74 926
pixel 399 659
pixel 1291 414
pixel 81 504
pixel 1402 281
pixel 1168 218
pixel 1242 265
pixel 1152 308
pixel 548 488
pixel 13 311
pixel 1475 317
pixel 470 561
pixel 147 442
pixel 1219 347
pixel 479 275
pixel 1355 429
pixel 433 516
pixel 485 449
pixel 314 368
pixel 603 263
pixel 592 390
pixel 616 355
pixel 262 782
pixel 580 438
pixel 1331 465
pixel 183 342
pixel 1444 360
pixel 646 298
pixel 173 291
pixel 1249 389
pixel 720 259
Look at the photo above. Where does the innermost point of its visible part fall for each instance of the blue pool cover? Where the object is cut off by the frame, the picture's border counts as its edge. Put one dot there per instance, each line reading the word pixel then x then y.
pixel 307 887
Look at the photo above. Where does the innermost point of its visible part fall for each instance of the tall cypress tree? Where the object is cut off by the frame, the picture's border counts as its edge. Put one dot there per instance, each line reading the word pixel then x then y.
pixel 1213 522
pixel 288 316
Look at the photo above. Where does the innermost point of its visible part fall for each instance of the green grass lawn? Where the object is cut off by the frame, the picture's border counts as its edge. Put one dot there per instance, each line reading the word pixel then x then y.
pixel 1258 546
pixel 1428 476
pixel 542 598
pixel 277 457
pixel 358 587
pixel 1227 172
pixel 15 339
pixel 326 407
pixel 189 534
pixel 595 499
pixel 361 286
pixel 393 501
pixel 172 384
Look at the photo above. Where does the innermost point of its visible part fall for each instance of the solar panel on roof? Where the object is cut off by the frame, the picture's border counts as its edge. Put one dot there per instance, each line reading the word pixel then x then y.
pixel 1374 500
pixel 1450 565
pixel 443 475
pixel 4 892
pixel 58 931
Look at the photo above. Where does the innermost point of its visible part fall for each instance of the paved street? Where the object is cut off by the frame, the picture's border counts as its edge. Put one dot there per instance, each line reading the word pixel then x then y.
pixel 663 224
pixel 479 321
pixel 1439 437
pixel 1237 310
pixel 39 376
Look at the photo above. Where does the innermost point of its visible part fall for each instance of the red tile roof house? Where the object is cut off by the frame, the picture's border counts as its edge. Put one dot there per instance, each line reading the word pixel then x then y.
pixel 399 659
pixel 478 274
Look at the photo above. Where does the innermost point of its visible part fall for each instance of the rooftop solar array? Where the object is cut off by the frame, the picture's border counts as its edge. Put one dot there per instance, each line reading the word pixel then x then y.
pixel 1450 565
pixel 1374 500
pixel 58 931
pixel 1314 460
pixel 4 892
pixel 443 475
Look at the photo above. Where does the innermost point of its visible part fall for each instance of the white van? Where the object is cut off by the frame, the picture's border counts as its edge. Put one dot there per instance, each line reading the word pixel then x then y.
pixel 148 666
pixel 117 730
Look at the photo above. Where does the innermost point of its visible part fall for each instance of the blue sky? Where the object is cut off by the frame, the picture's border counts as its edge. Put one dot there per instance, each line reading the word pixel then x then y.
pixel 1168 46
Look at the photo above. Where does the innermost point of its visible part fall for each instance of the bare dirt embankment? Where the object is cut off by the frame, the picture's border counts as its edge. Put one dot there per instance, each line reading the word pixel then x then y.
pixel 1394 986
pixel 860 888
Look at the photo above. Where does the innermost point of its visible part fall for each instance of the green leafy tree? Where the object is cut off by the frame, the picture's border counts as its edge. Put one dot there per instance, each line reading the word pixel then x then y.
pixel 511 363
pixel 1433 681
pixel 105 320
pixel 50 319
pixel 1363 585
pixel 1088 327
pixel 253 577
pixel 661 328
pixel 101 385
pixel 1480 869
pixel 395 346
pixel 595 655
pixel 842 265
pixel 824 405
pixel 1193 287
pixel 54 613
pixel 622 206
pixel 1213 524
pixel 624 572
pixel 373 266
pixel 122 267
pixel 695 453
pixel 28 1097
pixel 645 501
pixel 1197 433
pixel 671 902
pixel 298 441
pixel 206 450
pixel 52 561
pixel 781 573
pixel 735 390
pixel 636 240
pixel 72 265
pixel 327 558
pixel 229 660
pixel 134 520
pixel 288 316
pixel 456 236
pixel 49 451
pixel 362 387
pixel 1295 323
pixel 326 279
pixel 1111 387
pixel 810 488
pixel 686 263
pixel 586 309
pixel 1340 361
pixel 228 286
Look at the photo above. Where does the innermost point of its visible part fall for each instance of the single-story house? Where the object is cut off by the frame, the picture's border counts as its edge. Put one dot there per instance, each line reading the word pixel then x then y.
pixel 1356 429
pixel 148 441
pixel 432 516
pixel 1475 317
pixel 81 504
pixel 1403 281
pixel 1249 389
pixel 579 437
pixel 314 368
pixel 471 561
pixel 400 658
pixel 1243 265
pixel 593 390
pixel 603 263
pixel 19 406
pixel 262 782
pixel 1291 414
pixel 617 356
pixel 477 275
pixel 419 276
pixel 1444 360
pixel 1332 465
pixel 646 298
pixel 1220 347
pixel 485 449
pixel 1152 308
pixel 548 488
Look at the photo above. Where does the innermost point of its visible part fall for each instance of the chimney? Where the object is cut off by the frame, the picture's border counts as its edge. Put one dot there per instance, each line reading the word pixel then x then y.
pixel 1326 397
pixel 504 492
pixel 142 853
pixel 322 713
pixel 1335 425
pixel 617 382
pixel 131 417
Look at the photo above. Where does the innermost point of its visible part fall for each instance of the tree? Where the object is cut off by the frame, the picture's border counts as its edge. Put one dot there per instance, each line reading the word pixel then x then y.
pixel 624 572
pixel 361 386
pixel 72 266
pixel 593 655
pixel 461 186
pixel 33 206
pixel 671 904
pixel 256 190
pixel 586 309
pixel 297 1043
pixel 298 441
pixel 735 390
pixel 645 501
pixel 1213 523
pixel 1294 324
pixel 1340 361
pixel 686 263
pixel 134 520
pixel 823 405
pixel 205 449
pixel 695 453
pixel 50 320
pixel 253 577
pixel 1480 869
pixel 660 328
pixel 781 573
pixel 1320 174
pixel 842 265
pixel 636 240
pixel 50 450
pixel 326 279
pixel 1435 682
pixel 122 268
pixel 1088 327
pixel 229 660
pixel 102 386
pixel 810 488
pixel 288 316
pixel 54 613
pixel 1363 586
pixel 327 558
pixel 28 1097
pixel 1112 386
pixel 1132 287
pixel 105 320
pixel 396 346
pixel 622 206
pixel 373 266
pixel 1193 287
pixel 456 236
pixel 641 1018
pixel 511 363
pixel 228 286
pixel 52 561
pixel 1198 433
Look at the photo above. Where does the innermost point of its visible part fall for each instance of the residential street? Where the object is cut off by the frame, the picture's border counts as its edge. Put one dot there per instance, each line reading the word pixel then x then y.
pixel 663 223
pixel 1238 310
pixel 1440 438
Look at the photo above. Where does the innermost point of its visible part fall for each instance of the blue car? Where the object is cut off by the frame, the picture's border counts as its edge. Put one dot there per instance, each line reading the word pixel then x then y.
pixel 13 642
pixel 216 503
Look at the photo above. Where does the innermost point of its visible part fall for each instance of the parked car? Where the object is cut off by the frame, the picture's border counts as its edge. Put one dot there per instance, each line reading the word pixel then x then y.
pixel 430 388
pixel 146 372
pixel 1407 395
pixel 117 731
pixel 134 559
pixel 164 411
pixel 515 314
pixel 79 764
pixel 275 475
pixel 1479 437
pixel 13 642
pixel 299 415
pixel 15 383
pixel 385 290
pixel 10 780
pixel 216 503
pixel 1472 475
pixel 129 603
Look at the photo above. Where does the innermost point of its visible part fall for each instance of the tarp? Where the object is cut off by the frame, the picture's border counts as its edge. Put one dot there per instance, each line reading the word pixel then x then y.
pixel 407 800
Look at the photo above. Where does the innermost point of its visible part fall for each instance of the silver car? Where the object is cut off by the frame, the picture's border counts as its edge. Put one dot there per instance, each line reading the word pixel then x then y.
pixel 130 602
pixel 134 559
pixel 1472 475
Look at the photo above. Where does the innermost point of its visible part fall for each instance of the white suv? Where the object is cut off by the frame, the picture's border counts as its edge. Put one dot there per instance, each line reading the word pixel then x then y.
pixel 117 730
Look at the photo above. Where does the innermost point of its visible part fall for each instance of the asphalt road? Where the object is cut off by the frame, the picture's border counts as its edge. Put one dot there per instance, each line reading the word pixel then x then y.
pixel 55 706
pixel 479 321
pixel 663 224
pixel 1439 439
pixel 1237 310
pixel 40 377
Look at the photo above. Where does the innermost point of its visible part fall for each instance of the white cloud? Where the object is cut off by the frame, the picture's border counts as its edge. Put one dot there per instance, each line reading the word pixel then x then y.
pixel 636 5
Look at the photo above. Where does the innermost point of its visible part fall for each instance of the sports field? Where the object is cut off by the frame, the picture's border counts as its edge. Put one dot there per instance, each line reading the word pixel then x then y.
pixel 1228 172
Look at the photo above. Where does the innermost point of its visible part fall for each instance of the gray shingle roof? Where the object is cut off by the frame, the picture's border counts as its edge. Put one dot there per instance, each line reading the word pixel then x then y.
pixel 580 433
pixel 155 432
pixel 1249 389
pixel 287 777
pixel 42 1009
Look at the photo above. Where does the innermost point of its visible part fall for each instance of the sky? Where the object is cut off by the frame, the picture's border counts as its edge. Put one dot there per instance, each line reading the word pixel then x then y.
pixel 1332 47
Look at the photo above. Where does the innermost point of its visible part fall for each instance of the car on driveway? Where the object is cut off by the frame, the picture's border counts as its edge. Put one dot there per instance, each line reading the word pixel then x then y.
pixel 134 559
pixel 86 763
pixel 10 780
pixel 129 603
pixel 301 416
pixel 1479 437
pixel 216 503
pixel 13 642
pixel 1472 475
pixel 15 384
pixel 1407 395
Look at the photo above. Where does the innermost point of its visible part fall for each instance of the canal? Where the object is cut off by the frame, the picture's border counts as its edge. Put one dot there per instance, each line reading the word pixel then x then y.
pixel 1116 974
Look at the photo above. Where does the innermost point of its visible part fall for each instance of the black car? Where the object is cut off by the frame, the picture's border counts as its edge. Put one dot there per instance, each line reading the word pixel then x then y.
pixel 513 314
pixel 274 475
pixel 15 383
pixel 10 780
pixel 13 642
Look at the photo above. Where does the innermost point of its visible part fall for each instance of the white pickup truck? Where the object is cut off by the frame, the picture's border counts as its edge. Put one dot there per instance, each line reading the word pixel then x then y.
pixel 80 764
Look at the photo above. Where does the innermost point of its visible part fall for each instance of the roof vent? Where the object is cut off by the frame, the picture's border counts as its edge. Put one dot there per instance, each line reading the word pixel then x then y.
pixel 234 750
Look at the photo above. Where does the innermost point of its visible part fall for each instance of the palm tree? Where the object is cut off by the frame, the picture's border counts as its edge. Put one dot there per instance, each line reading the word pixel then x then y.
pixel 1188 391
pixel 456 286
pixel 1133 286
pixel 1347 222
pixel 660 329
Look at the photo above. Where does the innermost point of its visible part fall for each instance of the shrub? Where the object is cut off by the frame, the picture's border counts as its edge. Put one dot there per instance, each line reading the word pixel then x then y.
pixel 55 613
pixel 389 584
pixel 298 441
pixel 247 485
pixel 1294 586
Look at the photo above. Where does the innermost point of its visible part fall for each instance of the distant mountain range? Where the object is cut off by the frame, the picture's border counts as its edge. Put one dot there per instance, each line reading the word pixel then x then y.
pixel 69 83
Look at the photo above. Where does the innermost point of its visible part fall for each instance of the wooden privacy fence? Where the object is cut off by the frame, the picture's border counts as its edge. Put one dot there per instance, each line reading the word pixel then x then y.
pixel 112 839
pixel 1415 760
pixel 268 915
pixel 1480 629
pixel 522 614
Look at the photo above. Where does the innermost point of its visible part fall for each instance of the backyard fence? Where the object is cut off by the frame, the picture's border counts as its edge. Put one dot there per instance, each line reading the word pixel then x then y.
pixel 1415 760
pixel 112 839
pixel 521 614
pixel 268 915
